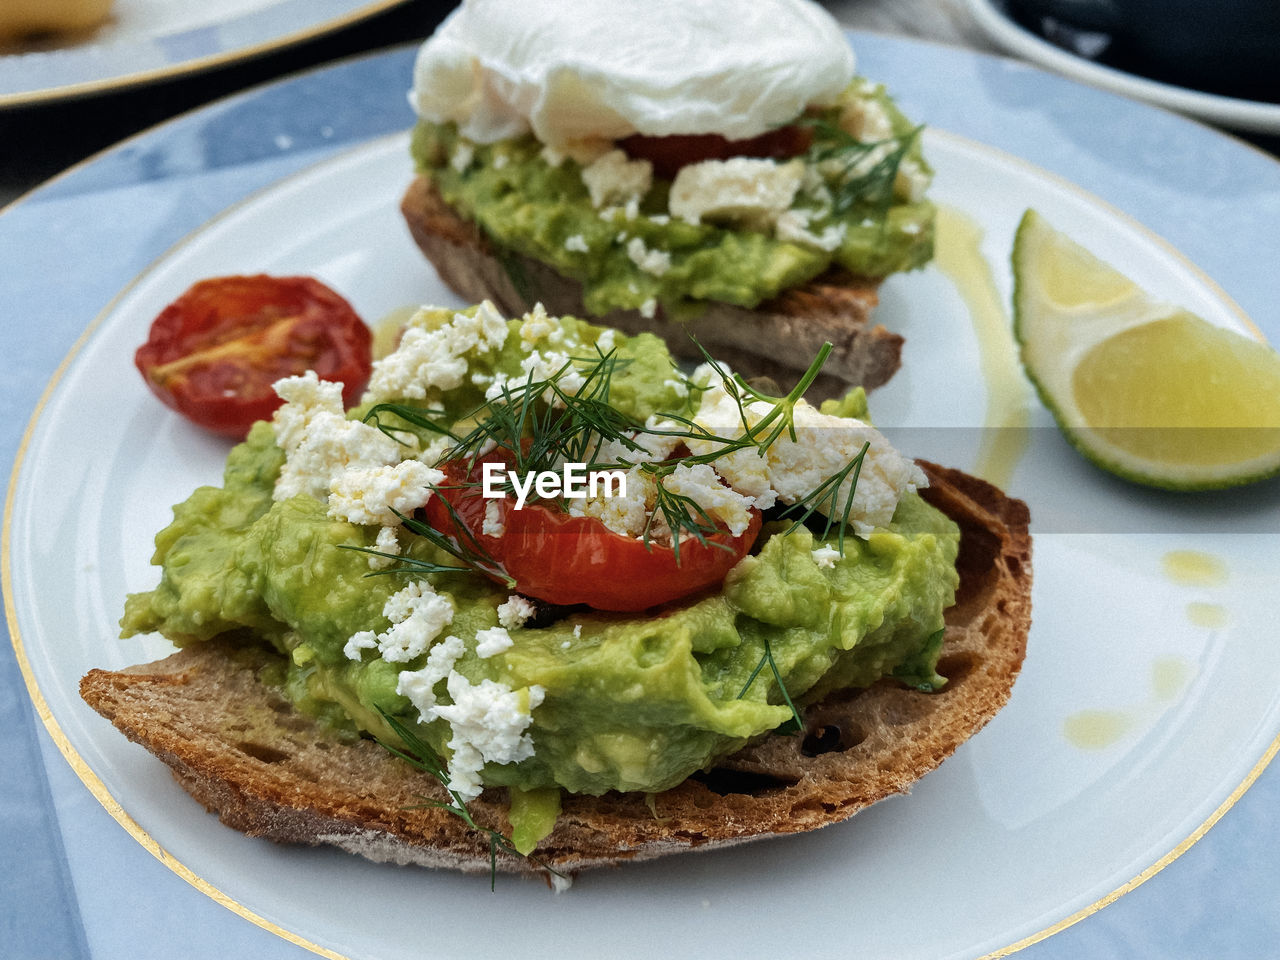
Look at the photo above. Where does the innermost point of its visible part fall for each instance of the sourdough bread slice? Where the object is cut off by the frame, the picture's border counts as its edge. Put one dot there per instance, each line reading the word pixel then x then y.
pixel 778 339
pixel 241 750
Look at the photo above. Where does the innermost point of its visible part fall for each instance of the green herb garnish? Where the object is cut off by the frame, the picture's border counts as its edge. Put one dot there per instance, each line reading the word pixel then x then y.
pixel 418 753
pixel 868 169
pixel 827 492
pixel 541 424
pixel 782 687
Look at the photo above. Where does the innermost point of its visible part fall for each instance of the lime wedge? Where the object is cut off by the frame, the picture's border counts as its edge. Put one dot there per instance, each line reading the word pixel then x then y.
pixel 1143 389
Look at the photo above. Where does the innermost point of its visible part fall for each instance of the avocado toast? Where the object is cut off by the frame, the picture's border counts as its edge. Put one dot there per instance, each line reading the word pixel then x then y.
pixel 615 731
pixel 740 184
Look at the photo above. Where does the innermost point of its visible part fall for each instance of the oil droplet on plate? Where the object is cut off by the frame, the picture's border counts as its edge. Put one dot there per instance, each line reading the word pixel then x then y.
pixel 1213 616
pixel 1169 675
pixel 1096 729
pixel 1194 568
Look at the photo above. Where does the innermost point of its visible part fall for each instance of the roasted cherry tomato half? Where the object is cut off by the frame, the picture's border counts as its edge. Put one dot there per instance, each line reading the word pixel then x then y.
pixel 569 560
pixel 214 353
pixel 668 154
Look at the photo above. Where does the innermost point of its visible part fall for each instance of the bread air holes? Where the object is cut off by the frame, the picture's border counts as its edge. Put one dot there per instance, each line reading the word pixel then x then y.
pixel 956 666
pixel 723 782
pixel 832 738
pixel 260 751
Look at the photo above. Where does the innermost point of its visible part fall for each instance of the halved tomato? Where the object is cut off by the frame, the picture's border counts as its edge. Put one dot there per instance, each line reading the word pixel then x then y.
pixel 214 353
pixel 569 560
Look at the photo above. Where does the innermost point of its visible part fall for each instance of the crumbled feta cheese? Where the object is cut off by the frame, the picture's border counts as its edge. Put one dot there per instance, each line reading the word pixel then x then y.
pixel 576 243
pixel 826 556
pixel 701 485
pixel 911 181
pixel 501 383
pixel 864 165
pixel 375 494
pixel 493 525
pixel 791 470
pixel 651 447
pixel 537 325
pixel 615 178
pixel 417 614
pixel 492 642
pixel 627 514
pixel 463 154
pixel 305 397
pixel 552 364
pixel 488 721
pixel 747 190
pixel 515 612
pixel 793 227
pixel 434 451
pixel 814 186
pixel 436 359
pixel 363 640
pixel 500 161
pixel 607 340
pixel 319 442
pixel 649 309
pixel 655 262
pixel 419 685
pixel 387 542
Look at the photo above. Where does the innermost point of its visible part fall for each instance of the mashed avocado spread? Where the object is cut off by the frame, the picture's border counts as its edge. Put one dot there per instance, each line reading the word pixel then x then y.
pixel 737 232
pixel 604 701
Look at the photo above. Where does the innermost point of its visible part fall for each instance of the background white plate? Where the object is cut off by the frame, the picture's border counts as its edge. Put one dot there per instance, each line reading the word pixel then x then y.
pixel 1018 831
pixel 147 40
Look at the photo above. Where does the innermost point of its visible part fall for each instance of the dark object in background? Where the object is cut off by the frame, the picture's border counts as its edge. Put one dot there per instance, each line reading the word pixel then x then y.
pixel 43 139
pixel 1229 47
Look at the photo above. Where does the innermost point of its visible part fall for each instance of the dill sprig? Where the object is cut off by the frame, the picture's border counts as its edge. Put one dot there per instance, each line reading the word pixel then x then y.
pixel 767 659
pixel 828 492
pixel 418 753
pixel 462 545
pixel 680 513
pixel 859 181
pixel 543 423
pixel 414 415
pixel 404 564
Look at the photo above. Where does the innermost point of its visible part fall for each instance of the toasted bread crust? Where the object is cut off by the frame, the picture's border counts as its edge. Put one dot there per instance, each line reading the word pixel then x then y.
pixel 778 339
pixel 240 749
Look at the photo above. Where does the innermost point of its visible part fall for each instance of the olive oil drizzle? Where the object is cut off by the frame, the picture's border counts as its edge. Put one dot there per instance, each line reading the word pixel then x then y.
pixel 1008 414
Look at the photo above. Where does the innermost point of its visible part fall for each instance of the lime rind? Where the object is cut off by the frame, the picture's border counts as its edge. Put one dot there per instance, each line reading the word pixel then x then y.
pixel 1091 443
pixel 1054 337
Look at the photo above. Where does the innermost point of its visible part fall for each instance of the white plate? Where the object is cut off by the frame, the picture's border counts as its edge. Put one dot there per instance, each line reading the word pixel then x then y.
pixel 146 40
pixel 1018 832
pixel 1249 115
